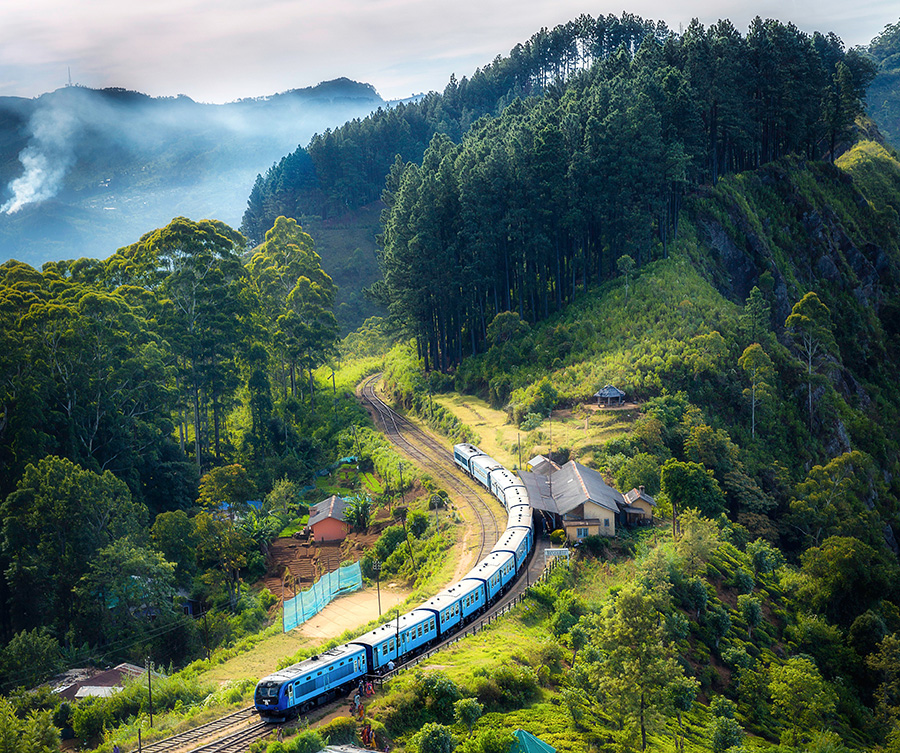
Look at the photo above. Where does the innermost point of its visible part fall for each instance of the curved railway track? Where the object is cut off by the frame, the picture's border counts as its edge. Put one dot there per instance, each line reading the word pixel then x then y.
pixel 430 453
pixel 426 451
pixel 215 733
pixel 239 742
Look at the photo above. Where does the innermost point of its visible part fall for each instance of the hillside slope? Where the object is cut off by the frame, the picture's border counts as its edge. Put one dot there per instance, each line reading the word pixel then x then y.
pixel 805 489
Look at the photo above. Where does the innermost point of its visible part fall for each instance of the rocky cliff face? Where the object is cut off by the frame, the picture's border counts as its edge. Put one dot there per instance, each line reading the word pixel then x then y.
pixel 793 227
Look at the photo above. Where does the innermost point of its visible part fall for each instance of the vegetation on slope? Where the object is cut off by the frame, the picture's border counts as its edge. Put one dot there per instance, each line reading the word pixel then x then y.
pixel 763 352
pixel 704 641
pixel 535 204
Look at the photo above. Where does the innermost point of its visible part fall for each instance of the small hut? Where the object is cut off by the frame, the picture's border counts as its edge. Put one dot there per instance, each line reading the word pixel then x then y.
pixel 327 520
pixel 610 395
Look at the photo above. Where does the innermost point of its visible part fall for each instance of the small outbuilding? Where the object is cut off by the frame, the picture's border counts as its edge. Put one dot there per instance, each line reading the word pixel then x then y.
pixel 327 520
pixel 610 395
pixel 638 507
pixel 542 465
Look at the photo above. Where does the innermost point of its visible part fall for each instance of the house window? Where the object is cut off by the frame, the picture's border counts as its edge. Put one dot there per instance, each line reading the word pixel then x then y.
pixel 606 522
pixel 581 533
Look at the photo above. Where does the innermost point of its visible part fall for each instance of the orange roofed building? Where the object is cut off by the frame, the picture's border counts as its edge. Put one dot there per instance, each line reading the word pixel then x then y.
pixel 327 521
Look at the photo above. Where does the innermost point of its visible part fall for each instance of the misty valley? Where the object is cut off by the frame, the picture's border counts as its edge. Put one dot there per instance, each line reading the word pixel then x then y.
pixel 88 171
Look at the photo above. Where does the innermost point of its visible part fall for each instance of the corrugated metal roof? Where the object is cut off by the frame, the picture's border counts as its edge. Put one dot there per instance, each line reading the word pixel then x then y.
pixel 542 465
pixel 569 487
pixel 538 489
pixel 573 484
pixel 634 494
pixel 333 507
pixel 609 391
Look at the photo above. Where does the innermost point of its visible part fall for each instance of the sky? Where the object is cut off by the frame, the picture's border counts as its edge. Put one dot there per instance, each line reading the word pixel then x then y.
pixel 221 50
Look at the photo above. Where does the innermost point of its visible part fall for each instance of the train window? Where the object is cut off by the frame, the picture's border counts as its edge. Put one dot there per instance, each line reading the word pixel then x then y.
pixel 392 644
pixel 384 649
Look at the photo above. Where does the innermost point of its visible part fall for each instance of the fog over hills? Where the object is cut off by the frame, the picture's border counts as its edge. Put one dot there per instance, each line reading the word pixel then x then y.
pixel 84 171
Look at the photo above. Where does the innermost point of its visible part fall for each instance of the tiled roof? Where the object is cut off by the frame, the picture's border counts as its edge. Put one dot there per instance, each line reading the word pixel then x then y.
pixel 574 483
pixel 569 487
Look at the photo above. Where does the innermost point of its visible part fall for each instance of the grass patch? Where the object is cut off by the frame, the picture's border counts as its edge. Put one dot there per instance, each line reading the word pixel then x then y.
pixel 580 430
pixel 296 525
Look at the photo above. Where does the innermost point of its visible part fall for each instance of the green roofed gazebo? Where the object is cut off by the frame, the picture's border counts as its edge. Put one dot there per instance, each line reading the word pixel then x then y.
pixel 528 743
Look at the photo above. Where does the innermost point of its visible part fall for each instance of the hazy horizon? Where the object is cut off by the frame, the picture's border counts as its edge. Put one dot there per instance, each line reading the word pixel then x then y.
pixel 222 52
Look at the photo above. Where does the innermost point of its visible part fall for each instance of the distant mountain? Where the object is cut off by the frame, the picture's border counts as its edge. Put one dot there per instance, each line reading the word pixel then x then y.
pixel 84 171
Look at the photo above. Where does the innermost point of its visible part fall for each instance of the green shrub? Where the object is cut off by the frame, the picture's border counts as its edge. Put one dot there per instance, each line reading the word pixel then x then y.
pixel 89 719
pixel 339 731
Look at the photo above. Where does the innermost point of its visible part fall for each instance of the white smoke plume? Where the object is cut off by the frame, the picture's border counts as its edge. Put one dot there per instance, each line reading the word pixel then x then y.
pixel 46 159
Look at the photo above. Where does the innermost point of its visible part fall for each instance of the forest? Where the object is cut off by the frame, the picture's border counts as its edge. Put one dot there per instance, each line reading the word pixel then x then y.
pixel 140 393
pixel 537 203
pixel 706 219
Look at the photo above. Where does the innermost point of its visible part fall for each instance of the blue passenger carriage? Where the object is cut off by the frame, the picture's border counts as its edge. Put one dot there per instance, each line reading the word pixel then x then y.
pixel 515 496
pixel 457 604
pixel 417 629
pixel 413 630
pixel 302 686
pixel 517 541
pixel 482 468
pixel 463 454
pixel 520 517
pixel 495 571
pixel 503 480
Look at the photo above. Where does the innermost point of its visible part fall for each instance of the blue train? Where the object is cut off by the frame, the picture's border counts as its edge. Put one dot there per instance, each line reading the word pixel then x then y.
pixel 321 678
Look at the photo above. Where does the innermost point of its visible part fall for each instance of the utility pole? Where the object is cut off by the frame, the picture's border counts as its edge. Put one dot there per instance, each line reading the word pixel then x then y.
pixel 150 692
pixel 206 623
pixel 402 494
pixel 376 566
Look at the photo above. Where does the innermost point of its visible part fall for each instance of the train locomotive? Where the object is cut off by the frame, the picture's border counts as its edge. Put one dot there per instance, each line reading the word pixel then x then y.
pixel 321 678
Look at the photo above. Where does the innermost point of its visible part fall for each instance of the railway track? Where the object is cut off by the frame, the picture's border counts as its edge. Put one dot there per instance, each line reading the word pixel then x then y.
pixel 239 742
pixel 426 451
pixel 431 454
pixel 212 733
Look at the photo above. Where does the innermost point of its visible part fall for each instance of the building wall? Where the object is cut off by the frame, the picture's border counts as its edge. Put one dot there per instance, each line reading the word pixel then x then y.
pixel 593 511
pixel 645 506
pixel 573 527
pixel 329 530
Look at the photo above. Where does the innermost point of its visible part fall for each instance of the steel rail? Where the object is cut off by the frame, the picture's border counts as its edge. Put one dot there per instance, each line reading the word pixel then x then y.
pixel 436 458
pixel 204 731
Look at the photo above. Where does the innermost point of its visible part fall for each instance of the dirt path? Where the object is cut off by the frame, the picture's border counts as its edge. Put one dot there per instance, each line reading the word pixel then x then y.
pixel 352 610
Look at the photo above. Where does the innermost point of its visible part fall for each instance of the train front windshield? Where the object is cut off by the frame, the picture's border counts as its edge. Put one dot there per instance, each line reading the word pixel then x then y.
pixel 267 691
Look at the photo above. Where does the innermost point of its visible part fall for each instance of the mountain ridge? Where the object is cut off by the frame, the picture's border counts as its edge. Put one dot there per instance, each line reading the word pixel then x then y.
pixel 86 171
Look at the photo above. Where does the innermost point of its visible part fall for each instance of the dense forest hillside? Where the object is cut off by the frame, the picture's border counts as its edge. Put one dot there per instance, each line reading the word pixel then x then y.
pixel 715 102
pixel 763 354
